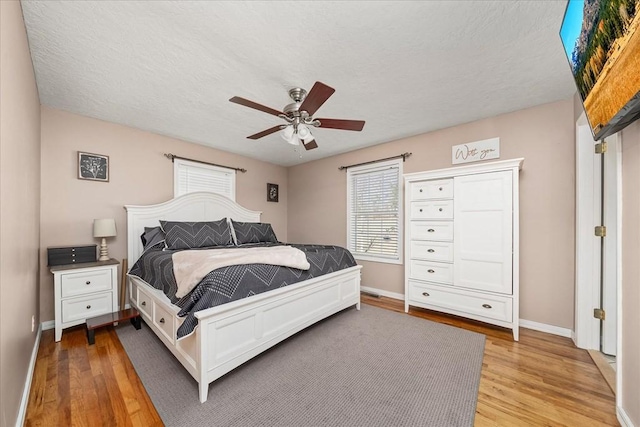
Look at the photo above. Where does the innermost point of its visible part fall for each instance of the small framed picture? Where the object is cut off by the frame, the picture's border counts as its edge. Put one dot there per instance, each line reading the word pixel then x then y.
pixel 272 192
pixel 94 167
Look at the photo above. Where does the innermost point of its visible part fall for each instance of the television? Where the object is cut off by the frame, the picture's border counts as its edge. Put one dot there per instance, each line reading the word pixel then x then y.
pixel 601 39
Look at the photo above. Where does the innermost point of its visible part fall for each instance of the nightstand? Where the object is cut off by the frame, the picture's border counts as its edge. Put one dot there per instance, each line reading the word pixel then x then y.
pixel 82 291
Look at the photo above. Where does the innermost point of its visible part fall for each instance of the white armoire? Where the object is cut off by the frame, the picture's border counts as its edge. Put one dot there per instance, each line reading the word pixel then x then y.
pixel 461 241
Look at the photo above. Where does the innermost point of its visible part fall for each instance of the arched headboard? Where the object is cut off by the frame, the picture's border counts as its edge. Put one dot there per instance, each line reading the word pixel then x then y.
pixel 200 206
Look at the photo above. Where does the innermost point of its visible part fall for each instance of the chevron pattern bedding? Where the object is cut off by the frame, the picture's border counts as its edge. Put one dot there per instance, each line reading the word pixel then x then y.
pixel 232 283
pixel 253 232
pixel 191 235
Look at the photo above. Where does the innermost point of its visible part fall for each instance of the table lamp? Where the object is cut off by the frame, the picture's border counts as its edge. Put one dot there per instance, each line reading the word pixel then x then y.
pixel 104 228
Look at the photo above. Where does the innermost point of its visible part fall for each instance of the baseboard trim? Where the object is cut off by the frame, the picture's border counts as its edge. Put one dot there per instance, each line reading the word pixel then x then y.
pixel 49 324
pixel 623 418
pixel 382 292
pixel 543 327
pixel 22 412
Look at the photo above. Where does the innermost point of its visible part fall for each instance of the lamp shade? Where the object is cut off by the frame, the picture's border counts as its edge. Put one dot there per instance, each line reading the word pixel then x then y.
pixel 104 227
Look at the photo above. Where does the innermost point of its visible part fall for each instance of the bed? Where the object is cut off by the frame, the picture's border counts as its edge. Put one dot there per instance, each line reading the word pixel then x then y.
pixel 229 335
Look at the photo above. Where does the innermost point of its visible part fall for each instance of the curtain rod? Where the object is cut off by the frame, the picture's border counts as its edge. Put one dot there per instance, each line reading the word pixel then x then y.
pixel 403 155
pixel 173 157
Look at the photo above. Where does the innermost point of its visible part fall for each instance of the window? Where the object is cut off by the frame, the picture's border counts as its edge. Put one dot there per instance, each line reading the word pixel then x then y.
pixel 193 176
pixel 374 212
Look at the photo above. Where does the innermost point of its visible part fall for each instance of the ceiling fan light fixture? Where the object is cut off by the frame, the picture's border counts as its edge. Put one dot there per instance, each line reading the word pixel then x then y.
pixel 303 131
pixel 287 133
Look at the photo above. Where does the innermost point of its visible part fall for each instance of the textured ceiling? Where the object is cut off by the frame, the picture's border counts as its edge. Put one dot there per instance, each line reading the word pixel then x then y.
pixel 404 67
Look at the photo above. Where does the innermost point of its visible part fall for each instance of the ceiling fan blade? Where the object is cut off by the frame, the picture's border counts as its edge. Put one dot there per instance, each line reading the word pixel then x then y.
pixel 356 125
pixel 254 105
pixel 318 95
pixel 265 132
pixel 310 145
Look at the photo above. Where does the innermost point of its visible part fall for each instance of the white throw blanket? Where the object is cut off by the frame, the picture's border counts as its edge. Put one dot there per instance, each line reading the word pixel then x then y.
pixel 190 267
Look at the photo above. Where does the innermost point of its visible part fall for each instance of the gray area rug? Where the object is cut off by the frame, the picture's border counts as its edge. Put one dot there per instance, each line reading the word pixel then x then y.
pixel 372 367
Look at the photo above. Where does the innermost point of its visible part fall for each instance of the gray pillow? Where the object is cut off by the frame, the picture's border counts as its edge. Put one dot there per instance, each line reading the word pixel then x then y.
pixel 253 232
pixel 191 235
pixel 151 237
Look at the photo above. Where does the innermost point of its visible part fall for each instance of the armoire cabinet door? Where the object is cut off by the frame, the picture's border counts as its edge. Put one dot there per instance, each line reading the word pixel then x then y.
pixel 483 221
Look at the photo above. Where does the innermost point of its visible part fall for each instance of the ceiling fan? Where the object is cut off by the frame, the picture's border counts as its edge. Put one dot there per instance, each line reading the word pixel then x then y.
pixel 299 116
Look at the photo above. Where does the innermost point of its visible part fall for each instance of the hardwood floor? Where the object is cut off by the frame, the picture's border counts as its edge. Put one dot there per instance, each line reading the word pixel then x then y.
pixel 543 380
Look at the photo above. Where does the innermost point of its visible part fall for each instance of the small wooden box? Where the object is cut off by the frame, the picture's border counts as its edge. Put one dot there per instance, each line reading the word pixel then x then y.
pixel 71 254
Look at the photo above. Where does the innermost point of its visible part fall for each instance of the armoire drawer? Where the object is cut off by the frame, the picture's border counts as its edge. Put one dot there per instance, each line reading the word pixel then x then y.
pixel 436 189
pixel 436 209
pixel 431 271
pixel 489 306
pixel 431 230
pixel 432 251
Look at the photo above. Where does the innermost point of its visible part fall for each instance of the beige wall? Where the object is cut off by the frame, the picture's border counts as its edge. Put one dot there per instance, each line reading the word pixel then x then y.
pixel 19 208
pixel 543 135
pixel 139 174
pixel 630 356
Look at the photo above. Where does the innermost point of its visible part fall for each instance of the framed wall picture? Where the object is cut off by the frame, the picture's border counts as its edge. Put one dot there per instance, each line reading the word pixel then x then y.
pixel 94 167
pixel 272 192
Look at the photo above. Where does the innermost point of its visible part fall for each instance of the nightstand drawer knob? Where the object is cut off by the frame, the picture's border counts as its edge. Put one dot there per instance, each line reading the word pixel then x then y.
pixel 420 210
pixel 430 251
pixel 431 271
pixel 162 320
pixel 143 303
pixel 440 209
pixel 486 306
pixel 426 294
pixel 88 307
pixel 88 282
pixel 431 230
pixel 421 190
pixel 440 188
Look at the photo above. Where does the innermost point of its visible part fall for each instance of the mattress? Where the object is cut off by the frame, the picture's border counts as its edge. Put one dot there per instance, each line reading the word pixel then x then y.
pixel 235 282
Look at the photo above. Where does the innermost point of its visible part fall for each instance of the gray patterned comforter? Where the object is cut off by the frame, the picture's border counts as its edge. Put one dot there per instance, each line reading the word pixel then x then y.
pixel 235 282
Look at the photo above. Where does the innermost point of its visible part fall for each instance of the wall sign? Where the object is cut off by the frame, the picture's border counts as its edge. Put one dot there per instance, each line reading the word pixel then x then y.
pixel 476 151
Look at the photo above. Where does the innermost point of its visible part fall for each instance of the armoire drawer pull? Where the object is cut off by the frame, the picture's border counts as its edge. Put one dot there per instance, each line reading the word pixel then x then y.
pixel 143 303
pixel 426 294
pixel 89 307
pixel 162 320
pixel 431 230
pixel 431 270
pixel 430 251
pixel 486 306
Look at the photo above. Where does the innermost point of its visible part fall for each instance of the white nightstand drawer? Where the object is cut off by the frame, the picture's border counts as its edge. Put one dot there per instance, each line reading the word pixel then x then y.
pixel 437 209
pixel 163 319
pixel 85 307
pixel 432 271
pixel 489 306
pixel 144 303
pixel 432 251
pixel 86 282
pixel 437 189
pixel 432 230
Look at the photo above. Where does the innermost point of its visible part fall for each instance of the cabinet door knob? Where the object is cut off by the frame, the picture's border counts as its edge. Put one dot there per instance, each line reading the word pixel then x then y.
pixel 431 230
pixel 89 307
pixel 88 282
pixel 430 251
pixel 143 303
pixel 486 305
pixel 162 320
pixel 431 271
pixel 426 294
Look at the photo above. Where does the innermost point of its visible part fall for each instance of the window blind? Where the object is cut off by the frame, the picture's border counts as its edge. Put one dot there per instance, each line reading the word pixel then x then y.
pixel 192 176
pixel 374 212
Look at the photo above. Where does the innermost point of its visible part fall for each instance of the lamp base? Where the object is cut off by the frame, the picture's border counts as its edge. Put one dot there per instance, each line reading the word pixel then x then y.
pixel 104 253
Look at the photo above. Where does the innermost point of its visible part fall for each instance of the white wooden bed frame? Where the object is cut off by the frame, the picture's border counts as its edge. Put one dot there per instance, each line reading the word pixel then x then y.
pixel 230 334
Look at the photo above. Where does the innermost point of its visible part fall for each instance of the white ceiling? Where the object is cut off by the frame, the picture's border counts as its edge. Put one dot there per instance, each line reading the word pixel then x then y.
pixel 404 67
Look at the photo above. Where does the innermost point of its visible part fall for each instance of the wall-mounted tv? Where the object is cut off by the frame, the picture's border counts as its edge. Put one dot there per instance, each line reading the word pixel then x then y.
pixel 602 41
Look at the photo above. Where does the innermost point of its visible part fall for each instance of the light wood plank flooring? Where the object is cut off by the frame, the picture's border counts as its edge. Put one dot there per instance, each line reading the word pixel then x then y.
pixel 543 380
